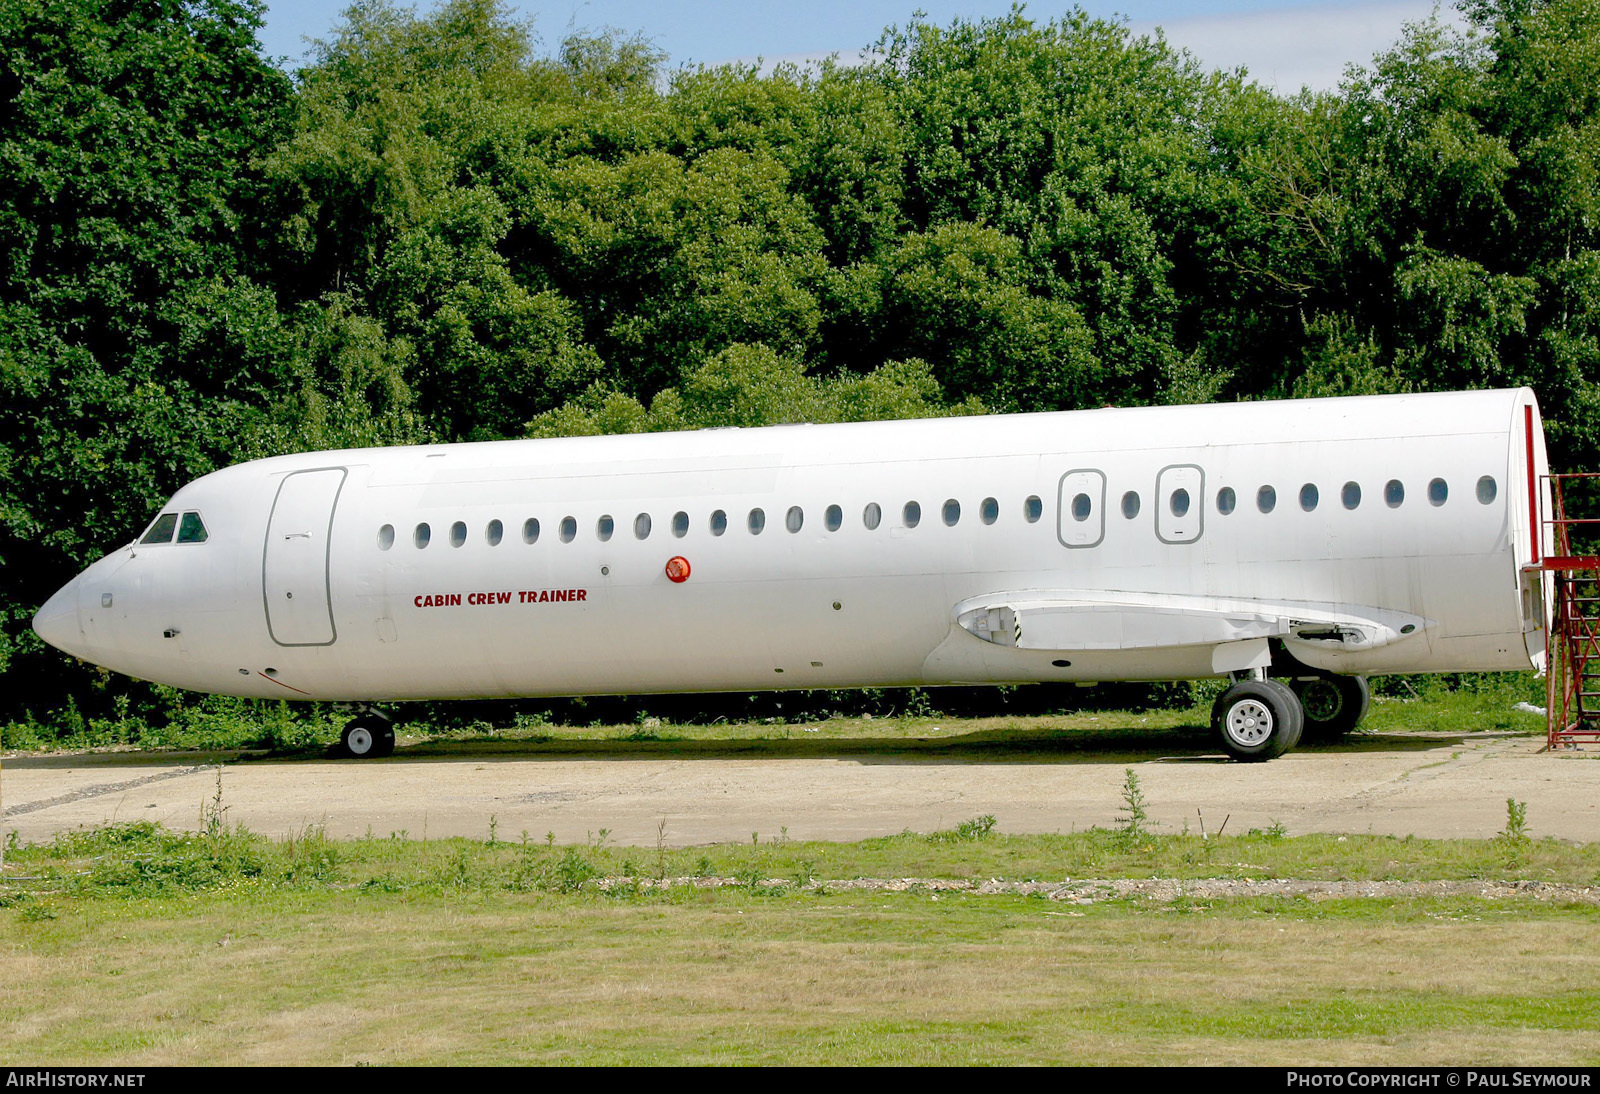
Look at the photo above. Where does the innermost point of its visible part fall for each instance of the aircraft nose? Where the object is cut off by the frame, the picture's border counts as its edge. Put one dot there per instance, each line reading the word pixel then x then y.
pixel 57 622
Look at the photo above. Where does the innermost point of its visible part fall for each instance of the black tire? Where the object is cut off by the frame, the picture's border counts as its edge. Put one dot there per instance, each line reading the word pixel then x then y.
pixel 1333 705
pixel 1257 720
pixel 367 737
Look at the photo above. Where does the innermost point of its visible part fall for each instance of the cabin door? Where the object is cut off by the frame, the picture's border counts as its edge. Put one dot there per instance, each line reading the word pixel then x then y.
pixel 294 565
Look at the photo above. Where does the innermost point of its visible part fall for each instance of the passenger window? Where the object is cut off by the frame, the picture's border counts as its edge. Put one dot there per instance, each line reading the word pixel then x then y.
pixel 989 511
pixel 161 531
pixel 495 533
pixel 1130 504
pixel 871 515
pixel 1266 499
pixel 641 526
pixel 680 524
pixel 1438 492
pixel 834 518
pixel 569 529
pixel 1033 509
pixel 458 533
pixel 952 512
pixel 422 536
pixel 1179 502
pixel 757 522
pixel 1394 493
pixel 1227 501
pixel 1350 496
pixel 794 518
pixel 191 529
pixel 530 530
pixel 604 527
pixel 1486 490
pixel 911 514
pixel 1308 497
pixel 386 537
pixel 719 522
pixel 1080 507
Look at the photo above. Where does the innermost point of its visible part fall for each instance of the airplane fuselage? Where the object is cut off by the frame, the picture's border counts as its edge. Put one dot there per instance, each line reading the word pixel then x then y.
pixel 1366 535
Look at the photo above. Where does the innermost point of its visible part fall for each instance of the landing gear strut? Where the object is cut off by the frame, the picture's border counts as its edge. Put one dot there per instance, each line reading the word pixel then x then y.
pixel 1257 719
pixel 367 735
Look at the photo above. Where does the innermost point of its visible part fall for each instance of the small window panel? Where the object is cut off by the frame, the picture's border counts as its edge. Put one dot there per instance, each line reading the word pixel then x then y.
pixel 911 514
pixel 641 526
pixel 989 511
pixel 718 523
pixel 530 530
pixel 604 527
pixel 458 533
pixel 1309 497
pixel 386 537
pixel 161 531
pixel 569 529
pixel 794 519
pixel 1350 496
pixel 833 518
pixel 494 533
pixel 1394 493
pixel 872 515
pixel 951 514
pixel 1487 490
pixel 1033 509
pixel 1438 492
pixel 1266 499
pixel 1227 500
pixel 756 522
pixel 680 524
pixel 422 536
pixel 191 529
pixel 1130 504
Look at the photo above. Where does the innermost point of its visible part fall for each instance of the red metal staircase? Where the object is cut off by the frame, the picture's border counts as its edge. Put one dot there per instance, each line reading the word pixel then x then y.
pixel 1572 682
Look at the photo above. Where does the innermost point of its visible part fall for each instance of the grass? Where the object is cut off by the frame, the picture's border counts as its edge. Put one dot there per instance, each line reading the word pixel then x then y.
pixel 134 945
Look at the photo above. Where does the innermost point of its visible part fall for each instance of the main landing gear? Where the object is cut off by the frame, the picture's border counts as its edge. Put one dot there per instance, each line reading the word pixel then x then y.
pixel 368 734
pixel 1259 718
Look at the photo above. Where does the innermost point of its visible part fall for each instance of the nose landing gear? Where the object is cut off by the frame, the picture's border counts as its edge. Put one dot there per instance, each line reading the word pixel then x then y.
pixel 367 735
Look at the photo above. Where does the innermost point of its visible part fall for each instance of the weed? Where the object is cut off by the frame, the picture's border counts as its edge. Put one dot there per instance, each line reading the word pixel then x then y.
pixel 1516 829
pixel 212 814
pixel 1132 823
pixel 967 831
pixel 573 871
pixel 34 912
pixel 1513 840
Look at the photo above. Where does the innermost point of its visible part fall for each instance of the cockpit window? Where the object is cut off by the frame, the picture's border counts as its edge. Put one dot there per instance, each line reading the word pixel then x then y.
pixel 161 530
pixel 191 529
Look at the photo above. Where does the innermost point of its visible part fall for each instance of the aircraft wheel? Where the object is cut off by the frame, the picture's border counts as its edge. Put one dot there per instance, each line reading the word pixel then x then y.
pixel 368 736
pixel 1257 720
pixel 1333 705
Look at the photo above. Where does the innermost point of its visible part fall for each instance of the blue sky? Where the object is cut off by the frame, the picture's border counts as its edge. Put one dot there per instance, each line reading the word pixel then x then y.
pixel 1283 43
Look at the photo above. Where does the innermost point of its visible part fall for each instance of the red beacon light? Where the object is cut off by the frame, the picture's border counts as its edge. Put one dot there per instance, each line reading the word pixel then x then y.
pixel 678 569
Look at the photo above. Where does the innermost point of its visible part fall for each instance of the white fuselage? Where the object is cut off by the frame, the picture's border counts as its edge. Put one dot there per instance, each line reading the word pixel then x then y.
pixel 310 583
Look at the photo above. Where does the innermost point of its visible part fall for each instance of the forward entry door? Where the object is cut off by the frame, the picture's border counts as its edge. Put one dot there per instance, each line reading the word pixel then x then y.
pixel 294 566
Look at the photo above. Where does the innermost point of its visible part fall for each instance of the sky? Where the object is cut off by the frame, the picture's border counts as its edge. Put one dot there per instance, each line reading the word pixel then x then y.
pixel 1284 44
